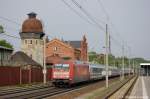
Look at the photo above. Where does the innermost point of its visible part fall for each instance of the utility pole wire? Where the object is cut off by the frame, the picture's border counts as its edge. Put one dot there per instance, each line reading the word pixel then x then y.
pixel 10 36
pixel 111 24
pixel 87 14
pixel 103 8
pixel 9 20
pixel 116 42
pixel 81 16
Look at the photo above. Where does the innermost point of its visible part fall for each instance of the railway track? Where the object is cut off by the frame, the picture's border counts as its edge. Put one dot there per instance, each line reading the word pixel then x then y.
pixel 21 89
pixel 41 91
pixel 130 88
pixel 123 94
pixel 36 92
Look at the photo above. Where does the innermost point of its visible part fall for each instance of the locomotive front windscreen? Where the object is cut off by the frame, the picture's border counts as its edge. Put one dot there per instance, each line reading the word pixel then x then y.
pixel 61 71
pixel 64 67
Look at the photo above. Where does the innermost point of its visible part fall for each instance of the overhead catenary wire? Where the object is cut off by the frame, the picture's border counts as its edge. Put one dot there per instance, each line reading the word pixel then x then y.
pixel 112 25
pixel 6 19
pixel 80 15
pixel 93 19
pixel 88 15
pixel 84 18
pixel 8 35
pixel 103 8
pixel 107 17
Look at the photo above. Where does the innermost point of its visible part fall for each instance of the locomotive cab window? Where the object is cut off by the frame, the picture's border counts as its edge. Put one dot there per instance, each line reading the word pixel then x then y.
pixel 62 67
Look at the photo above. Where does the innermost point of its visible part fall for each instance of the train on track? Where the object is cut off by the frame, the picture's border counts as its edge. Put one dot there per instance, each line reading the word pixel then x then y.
pixel 68 73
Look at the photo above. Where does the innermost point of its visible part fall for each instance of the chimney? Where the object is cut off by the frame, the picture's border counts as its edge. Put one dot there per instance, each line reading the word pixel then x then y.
pixel 32 15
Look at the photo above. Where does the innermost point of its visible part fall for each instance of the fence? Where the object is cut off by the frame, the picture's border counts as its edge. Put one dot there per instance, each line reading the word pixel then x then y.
pixel 16 75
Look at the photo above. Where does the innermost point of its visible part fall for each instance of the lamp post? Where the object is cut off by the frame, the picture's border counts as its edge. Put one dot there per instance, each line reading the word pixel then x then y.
pixel 107 46
pixel 44 60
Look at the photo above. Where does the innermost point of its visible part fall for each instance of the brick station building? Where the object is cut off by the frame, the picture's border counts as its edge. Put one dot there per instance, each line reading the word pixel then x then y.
pixel 70 50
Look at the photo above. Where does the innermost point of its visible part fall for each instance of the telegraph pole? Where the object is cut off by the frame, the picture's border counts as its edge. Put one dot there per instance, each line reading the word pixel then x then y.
pixel 123 62
pixel 133 67
pixel 129 61
pixel 129 67
pixel 107 47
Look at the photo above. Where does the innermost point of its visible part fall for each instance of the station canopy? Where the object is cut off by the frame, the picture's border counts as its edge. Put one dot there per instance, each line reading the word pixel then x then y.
pixel 144 64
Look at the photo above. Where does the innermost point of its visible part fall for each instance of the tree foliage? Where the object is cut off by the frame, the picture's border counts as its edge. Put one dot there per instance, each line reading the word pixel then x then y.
pixel 114 61
pixel 4 43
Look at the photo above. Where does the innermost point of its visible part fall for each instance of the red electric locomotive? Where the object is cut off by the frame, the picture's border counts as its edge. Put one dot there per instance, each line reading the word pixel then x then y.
pixel 69 73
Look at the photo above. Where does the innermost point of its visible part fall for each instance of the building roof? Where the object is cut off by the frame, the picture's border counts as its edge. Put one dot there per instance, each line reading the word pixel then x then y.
pixel 145 64
pixel 75 44
pixel 2 47
pixel 21 59
pixel 32 24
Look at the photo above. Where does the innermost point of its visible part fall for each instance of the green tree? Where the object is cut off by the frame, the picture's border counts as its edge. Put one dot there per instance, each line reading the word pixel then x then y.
pixel 92 56
pixel 5 44
pixel 115 61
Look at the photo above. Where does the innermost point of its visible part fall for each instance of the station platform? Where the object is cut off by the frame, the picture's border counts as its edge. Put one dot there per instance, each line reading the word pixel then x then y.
pixel 141 89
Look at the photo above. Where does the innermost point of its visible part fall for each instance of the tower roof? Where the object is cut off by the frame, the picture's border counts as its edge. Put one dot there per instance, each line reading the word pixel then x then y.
pixel 32 24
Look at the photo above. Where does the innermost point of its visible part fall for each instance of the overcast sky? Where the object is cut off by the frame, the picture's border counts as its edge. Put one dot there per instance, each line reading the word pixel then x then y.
pixel 130 19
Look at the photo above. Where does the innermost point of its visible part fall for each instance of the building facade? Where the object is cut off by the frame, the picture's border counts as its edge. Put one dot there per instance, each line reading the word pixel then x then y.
pixel 74 50
pixel 32 38
pixel 5 54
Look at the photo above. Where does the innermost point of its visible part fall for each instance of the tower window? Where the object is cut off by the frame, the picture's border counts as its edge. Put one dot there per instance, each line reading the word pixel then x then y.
pixel 55 48
pixel 30 41
pixel 25 41
pixel 36 42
